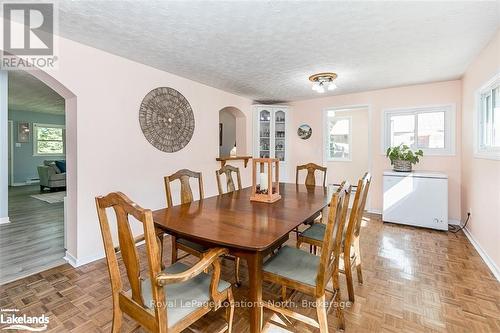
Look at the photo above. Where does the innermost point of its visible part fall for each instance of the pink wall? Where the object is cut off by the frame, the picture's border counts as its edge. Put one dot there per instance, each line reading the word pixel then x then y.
pixel 481 177
pixel 310 112
pixel 112 153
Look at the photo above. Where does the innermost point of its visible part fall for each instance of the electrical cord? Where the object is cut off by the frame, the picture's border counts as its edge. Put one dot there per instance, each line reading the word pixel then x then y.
pixel 454 228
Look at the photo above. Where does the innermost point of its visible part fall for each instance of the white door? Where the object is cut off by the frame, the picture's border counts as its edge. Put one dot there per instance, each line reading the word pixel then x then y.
pixel 347 151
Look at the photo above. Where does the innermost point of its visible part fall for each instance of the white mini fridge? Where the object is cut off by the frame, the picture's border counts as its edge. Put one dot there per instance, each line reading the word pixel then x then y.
pixel 418 198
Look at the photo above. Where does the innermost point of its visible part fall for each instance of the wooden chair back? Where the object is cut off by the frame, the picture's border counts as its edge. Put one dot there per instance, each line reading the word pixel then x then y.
pixel 228 170
pixel 186 193
pixel 330 252
pixel 311 170
pixel 358 208
pixel 132 304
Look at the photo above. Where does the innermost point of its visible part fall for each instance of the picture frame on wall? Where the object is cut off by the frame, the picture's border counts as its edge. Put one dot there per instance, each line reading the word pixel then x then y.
pixel 23 132
pixel 304 131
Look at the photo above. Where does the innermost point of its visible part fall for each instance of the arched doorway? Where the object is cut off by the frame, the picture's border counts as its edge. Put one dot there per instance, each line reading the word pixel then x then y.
pixel 232 131
pixel 70 201
pixel 71 156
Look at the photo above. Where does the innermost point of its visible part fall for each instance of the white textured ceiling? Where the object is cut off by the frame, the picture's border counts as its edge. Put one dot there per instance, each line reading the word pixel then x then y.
pixel 27 93
pixel 267 50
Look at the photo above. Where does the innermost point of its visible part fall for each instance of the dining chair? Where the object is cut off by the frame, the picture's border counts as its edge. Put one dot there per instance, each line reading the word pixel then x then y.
pixel 311 173
pixel 184 176
pixel 305 272
pixel 351 253
pixel 167 300
pixel 309 181
pixel 228 170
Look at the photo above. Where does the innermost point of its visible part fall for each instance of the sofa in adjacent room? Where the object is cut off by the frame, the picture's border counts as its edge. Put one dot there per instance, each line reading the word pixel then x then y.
pixel 52 175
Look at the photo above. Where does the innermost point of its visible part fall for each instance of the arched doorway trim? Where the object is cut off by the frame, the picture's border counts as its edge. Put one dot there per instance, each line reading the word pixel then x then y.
pixel 70 214
pixel 241 128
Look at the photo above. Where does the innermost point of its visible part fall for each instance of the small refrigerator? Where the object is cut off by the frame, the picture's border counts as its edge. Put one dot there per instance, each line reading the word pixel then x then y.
pixel 418 198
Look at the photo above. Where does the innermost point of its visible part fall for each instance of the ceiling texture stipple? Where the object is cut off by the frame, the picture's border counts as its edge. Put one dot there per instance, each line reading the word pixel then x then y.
pixel 267 50
pixel 27 93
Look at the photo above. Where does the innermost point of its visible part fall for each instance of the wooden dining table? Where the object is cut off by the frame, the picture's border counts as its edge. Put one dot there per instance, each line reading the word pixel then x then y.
pixel 249 230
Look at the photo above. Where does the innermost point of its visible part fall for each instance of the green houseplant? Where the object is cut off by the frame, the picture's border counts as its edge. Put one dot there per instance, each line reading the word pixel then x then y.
pixel 402 157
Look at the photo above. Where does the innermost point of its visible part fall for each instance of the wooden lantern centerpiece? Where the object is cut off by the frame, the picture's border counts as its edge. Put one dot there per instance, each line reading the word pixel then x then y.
pixel 265 187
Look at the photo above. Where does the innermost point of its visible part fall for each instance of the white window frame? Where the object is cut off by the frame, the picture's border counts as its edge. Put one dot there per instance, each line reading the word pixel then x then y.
pixel 35 139
pixel 486 152
pixel 449 127
pixel 327 138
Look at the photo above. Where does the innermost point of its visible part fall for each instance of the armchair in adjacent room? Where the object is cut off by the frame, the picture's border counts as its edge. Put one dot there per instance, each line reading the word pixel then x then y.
pixel 52 175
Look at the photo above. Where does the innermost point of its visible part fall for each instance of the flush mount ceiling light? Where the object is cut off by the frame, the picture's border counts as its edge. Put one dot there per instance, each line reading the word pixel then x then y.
pixel 322 81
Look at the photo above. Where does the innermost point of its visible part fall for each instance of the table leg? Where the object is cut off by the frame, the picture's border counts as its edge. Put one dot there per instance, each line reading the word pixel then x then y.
pixel 254 262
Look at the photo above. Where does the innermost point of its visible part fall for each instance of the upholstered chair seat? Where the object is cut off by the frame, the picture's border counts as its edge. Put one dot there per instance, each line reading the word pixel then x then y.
pixel 294 264
pixel 192 245
pixel 316 231
pixel 183 298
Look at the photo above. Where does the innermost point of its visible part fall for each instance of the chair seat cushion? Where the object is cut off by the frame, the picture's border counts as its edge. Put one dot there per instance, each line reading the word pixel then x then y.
pixel 294 264
pixel 316 231
pixel 185 297
pixel 193 245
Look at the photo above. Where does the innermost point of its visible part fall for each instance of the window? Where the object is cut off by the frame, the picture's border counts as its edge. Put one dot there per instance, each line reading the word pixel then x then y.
pixel 487 118
pixel 338 137
pixel 48 139
pixel 431 129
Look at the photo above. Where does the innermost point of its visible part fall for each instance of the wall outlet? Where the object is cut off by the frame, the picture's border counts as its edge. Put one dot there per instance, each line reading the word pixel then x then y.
pixel 469 211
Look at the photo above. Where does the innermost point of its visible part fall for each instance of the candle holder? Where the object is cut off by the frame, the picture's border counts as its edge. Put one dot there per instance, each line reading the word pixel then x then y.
pixel 265 187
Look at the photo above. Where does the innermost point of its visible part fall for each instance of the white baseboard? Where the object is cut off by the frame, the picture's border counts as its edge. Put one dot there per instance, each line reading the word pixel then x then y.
pixel 489 262
pixel 70 259
pixel 27 182
pixel 77 262
pixel 4 220
pixel 374 211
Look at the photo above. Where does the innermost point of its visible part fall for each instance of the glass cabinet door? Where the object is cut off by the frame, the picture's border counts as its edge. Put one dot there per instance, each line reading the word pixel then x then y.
pixel 264 133
pixel 279 135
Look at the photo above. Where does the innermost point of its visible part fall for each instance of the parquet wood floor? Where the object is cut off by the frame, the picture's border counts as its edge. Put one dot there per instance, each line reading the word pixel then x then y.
pixel 416 280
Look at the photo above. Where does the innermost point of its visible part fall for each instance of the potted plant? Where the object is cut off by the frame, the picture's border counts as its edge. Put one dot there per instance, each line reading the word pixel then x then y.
pixel 402 157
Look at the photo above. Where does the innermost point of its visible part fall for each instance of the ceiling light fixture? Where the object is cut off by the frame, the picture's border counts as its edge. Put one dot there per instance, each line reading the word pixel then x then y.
pixel 322 81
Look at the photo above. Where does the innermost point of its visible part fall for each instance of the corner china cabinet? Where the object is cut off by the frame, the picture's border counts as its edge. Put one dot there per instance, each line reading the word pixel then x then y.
pixel 271 134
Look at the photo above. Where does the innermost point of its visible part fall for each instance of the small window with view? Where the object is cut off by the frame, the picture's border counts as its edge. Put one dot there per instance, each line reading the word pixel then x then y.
pixel 431 129
pixel 339 138
pixel 487 118
pixel 48 140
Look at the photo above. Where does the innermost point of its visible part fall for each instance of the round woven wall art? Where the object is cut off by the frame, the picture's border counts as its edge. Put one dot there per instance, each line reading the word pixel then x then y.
pixel 166 119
